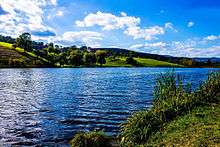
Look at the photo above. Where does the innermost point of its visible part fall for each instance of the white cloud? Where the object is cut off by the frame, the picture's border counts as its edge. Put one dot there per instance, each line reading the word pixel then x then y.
pixel 212 51
pixel 212 38
pixel 80 35
pixel 156 45
pixel 149 33
pixel 129 24
pixel 59 13
pixel 89 38
pixel 137 46
pixel 123 14
pixel 108 21
pixel 190 24
pixel 189 43
pixel 187 48
pixel 54 2
pixel 23 15
pixel 170 26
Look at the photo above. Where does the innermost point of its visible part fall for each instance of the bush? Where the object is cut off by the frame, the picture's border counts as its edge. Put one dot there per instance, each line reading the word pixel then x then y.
pixel 132 61
pixel 172 99
pixel 90 139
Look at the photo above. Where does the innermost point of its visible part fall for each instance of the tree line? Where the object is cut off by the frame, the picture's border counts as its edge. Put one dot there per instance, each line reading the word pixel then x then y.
pixel 85 56
pixel 59 56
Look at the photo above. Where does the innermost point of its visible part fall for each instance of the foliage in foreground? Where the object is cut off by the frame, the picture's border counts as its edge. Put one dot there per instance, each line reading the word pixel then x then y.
pixel 172 100
pixel 90 139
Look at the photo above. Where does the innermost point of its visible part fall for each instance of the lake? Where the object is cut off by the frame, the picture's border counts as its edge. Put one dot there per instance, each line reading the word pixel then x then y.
pixel 47 106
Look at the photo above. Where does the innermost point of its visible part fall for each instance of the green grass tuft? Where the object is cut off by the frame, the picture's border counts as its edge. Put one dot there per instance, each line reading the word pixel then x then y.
pixel 91 139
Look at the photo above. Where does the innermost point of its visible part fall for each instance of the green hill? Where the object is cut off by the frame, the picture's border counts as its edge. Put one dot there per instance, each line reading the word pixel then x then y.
pixel 17 57
pixel 142 62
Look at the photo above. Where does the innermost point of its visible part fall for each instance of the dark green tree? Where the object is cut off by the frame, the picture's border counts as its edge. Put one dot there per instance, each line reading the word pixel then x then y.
pixel 24 41
pixel 101 54
pixel 90 58
pixel 75 58
pixel 63 58
pixel 131 60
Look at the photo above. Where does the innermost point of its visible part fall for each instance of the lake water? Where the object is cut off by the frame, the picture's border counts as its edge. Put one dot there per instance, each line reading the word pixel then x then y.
pixel 47 106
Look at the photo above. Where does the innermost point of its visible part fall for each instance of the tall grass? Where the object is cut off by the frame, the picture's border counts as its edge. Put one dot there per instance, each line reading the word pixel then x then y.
pixel 90 139
pixel 172 98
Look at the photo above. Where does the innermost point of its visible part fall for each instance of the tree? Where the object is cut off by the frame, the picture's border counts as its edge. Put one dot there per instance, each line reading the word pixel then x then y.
pixel 36 52
pixel 101 54
pixel 51 58
pixel 187 62
pixel 50 48
pixel 131 60
pixel 14 46
pixel 24 41
pixel 62 58
pixel 75 58
pixel 83 48
pixel 90 58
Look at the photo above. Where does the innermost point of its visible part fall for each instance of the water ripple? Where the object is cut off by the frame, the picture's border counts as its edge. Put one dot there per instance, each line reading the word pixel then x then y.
pixel 45 107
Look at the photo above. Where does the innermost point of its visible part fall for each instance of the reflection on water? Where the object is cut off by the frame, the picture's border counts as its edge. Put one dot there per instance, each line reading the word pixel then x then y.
pixel 47 106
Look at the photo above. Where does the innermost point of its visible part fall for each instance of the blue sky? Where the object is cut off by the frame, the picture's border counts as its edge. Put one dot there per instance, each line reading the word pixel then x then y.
pixel 182 28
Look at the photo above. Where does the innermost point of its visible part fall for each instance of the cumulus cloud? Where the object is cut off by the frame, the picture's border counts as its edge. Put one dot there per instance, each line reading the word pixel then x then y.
pixel 212 38
pixel 130 24
pixel 190 24
pixel 108 21
pixel 88 38
pixel 148 33
pixel 23 16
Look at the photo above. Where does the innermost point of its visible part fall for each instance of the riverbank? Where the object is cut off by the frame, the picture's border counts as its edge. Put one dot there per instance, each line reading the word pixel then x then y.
pixel 178 117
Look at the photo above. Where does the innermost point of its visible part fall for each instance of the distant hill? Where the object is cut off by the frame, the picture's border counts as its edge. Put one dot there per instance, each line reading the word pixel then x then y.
pixel 116 57
pixel 168 58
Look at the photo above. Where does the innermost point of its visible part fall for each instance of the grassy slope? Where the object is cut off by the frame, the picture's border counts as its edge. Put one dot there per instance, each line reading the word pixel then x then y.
pixel 142 61
pixel 152 62
pixel 18 53
pixel 199 128
pixel 116 63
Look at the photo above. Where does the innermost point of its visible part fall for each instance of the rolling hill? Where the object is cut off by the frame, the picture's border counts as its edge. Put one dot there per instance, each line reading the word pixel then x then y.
pixel 215 61
pixel 116 57
pixel 10 57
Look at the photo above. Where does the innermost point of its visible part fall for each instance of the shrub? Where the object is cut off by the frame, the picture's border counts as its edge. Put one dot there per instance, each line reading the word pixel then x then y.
pixel 90 139
pixel 132 61
pixel 172 99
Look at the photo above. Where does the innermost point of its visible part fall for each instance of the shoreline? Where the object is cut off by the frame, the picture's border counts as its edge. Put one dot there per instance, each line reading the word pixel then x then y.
pixel 109 67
